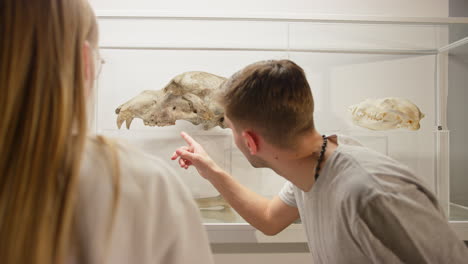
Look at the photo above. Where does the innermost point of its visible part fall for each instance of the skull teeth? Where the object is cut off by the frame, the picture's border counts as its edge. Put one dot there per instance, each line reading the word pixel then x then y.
pixel 128 122
pixel 120 120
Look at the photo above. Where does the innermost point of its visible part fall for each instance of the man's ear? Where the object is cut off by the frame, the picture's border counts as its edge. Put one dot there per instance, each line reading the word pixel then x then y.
pixel 87 67
pixel 252 141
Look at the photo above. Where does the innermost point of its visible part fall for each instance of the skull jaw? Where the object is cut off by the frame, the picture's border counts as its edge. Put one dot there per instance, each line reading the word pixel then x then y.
pixel 195 120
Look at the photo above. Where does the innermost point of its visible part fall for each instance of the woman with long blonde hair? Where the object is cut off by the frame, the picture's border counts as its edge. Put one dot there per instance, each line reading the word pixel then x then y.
pixel 65 196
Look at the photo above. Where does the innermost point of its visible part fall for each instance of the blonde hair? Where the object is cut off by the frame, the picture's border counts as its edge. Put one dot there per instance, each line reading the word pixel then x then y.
pixel 272 96
pixel 42 126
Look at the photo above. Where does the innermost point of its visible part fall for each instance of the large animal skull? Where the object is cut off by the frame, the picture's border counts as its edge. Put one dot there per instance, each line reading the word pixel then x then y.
pixel 189 96
pixel 386 113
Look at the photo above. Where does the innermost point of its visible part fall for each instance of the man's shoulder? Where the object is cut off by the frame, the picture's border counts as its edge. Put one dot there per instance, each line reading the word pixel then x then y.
pixel 361 173
pixel 368 162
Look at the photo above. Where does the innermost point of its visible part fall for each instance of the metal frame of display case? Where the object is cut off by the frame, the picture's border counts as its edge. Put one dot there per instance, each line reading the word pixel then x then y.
pixel 443 133
pixel 243 232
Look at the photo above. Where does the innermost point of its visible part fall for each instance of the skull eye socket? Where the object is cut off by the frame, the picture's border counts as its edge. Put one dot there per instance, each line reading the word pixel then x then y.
pixel 221 119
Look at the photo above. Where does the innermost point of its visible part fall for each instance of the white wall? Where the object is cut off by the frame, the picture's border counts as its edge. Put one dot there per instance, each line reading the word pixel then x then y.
pixel 419 8
pixel 130 71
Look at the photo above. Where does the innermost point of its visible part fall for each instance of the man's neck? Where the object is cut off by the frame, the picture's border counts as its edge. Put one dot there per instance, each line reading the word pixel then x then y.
pixel 299 166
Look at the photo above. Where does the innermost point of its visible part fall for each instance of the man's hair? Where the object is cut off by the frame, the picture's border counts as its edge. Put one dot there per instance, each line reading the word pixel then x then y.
pixel 273 97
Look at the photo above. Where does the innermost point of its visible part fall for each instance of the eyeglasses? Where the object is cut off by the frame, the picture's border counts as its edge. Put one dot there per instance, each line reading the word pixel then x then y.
pixel 99 62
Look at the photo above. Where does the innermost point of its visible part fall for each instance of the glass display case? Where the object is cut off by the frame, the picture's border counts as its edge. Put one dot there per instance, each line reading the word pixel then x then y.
pixel 454 59
pixel 346 59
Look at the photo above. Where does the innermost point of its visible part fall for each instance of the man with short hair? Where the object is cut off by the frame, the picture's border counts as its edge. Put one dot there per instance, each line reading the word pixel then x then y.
pixel 356 205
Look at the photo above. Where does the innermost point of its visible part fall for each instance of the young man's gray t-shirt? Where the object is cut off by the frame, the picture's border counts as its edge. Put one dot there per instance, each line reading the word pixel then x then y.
pixel 367 208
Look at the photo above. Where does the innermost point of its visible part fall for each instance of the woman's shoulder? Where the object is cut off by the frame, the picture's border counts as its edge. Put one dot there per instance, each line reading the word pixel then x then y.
pixel 104 157
pixel 151 201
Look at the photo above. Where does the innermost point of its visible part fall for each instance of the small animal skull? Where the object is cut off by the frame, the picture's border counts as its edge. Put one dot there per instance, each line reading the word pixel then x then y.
pixel 189 96
pixel 386 113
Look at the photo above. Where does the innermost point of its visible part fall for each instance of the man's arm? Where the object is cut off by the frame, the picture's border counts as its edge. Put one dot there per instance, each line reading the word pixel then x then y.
pixel 268 216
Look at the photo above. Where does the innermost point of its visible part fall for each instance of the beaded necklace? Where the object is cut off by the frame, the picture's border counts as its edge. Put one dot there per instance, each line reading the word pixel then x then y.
pixel 324 147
